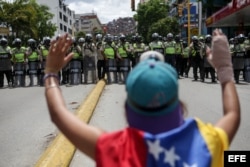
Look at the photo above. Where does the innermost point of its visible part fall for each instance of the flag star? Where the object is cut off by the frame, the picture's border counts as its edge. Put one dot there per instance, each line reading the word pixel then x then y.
pixel 186 165
pixel 171 157
pixel 155 148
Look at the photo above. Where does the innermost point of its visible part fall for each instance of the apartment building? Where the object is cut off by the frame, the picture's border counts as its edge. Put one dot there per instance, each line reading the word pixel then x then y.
pixel 64 18
pixel 88 23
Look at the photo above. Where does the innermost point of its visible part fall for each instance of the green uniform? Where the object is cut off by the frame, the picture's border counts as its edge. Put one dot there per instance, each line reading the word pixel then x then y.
pixel 170 48
pixel 109 51
pixel 19 54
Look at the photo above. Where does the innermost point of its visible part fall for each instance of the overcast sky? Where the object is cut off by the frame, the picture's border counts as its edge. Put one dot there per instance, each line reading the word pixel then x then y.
pixel 106 10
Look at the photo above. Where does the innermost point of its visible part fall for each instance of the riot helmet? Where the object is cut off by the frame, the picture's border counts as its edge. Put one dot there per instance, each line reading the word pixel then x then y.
pixel 208 38
pixel 231 41
pixel 108 39
pixel 185 44
pixel 170 36
pixel 123 38
pixel 98 37
pixel 241 38
pixel 31 43
pixel 17 42
pixel 177 38
pixel 195 39
pixel 138 38
pixel 155 36
pixel 88 38
pixel 3 41
pixel 46 41
pixel 81 40
pixel 201 39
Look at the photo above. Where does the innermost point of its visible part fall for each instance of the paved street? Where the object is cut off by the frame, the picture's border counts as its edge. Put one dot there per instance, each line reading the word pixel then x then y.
pixel 26 129
pixel 203 100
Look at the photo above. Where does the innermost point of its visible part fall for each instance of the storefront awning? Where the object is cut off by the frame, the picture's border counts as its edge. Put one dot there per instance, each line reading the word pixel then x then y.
pixel 234 14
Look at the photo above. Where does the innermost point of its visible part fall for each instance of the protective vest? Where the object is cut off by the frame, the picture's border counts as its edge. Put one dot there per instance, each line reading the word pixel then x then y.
pixel 122 52
pixel 186 52
pixel 194 50
pixel 109 52
pixel 45 52
pixel 239 47
pixel 19 54
pixel 5 58
pixel 178 48
pixel 4 53
pixel 139 47
pixel 157 46
pixel 170 47
pixel 33 56
pixel 76 54
pixel 154 45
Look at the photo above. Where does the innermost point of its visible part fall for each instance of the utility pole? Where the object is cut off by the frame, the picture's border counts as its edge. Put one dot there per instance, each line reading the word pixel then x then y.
pixel 188 11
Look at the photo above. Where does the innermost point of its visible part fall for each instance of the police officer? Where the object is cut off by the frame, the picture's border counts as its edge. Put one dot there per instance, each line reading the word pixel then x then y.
pixel 170 50
pixel 197 59
pixel 44 51
pixel 178 53
pixel 207 66
pixel 123 51
pixel 239 56
pixel 81 41
pixel 109 53
pixel 138 48
pixel 75 64
pixel 33 61
pixel 5 63
pixel 89 58
pixel 156 44
pixel 20 60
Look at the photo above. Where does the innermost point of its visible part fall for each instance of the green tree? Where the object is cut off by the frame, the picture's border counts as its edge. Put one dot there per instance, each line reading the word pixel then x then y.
pixel 43 23
pixel 80 34
pixel 26 19
pixel 164 26
pixel 152 16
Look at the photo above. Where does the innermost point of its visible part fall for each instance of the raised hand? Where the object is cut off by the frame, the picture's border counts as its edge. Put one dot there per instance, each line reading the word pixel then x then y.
pixel 219 56
pixel 58 55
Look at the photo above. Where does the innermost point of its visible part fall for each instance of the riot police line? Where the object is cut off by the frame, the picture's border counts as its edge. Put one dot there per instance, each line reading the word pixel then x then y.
pixel 112 57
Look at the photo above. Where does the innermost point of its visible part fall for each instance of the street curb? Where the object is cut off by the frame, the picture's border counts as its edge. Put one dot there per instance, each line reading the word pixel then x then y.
pixel 61 150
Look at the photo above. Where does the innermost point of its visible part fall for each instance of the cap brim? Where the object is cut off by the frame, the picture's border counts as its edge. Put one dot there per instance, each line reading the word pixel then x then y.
pixel 154 123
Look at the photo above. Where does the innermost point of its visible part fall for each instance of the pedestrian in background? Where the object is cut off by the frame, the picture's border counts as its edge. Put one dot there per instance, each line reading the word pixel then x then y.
pixel 157 131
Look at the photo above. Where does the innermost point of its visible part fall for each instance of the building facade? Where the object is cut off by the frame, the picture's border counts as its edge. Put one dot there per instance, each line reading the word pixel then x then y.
pixel 233 18
pixel 64 18
pixel 88 23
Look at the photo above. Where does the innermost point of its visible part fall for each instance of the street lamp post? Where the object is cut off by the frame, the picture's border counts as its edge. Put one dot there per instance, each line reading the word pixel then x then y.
pixel 188 11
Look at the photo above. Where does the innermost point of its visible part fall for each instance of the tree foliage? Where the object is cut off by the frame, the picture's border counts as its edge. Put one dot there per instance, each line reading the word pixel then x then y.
pixel 26 19
pixel 152 16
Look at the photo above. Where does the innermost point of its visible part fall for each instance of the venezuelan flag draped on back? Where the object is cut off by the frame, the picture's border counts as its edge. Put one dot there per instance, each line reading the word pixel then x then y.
pixel 193 144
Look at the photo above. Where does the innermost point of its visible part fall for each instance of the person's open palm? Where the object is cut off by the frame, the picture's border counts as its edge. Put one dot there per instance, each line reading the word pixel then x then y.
pixel 58 55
